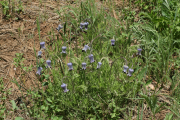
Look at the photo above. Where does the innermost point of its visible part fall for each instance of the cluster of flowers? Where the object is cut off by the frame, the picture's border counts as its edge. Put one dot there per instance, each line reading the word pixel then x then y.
pixel 91 57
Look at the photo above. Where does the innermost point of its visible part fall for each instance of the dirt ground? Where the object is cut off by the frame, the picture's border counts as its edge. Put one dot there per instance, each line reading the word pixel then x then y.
pixel 21 36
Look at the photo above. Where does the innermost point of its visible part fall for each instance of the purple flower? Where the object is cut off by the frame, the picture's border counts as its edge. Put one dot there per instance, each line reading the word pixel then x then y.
pixel 64 87
pixel 139 51
pixel 59 27
pixel 39 70
pixel 91 58
pixel 113 42
pixel 125 68
pixel 63 49
pixel 70 66
pixel 42 45
pixel 39 53
pixel 48 63
pixel 86 25
pixel 99 65
pixel 84 66
pixel 82 25
pixel 85 48
pixel 130 72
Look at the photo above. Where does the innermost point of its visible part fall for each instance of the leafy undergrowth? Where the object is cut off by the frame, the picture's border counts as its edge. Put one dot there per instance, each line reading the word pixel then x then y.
pixel 100 66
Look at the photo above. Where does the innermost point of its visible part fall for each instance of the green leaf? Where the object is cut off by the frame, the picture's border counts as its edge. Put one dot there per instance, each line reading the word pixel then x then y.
pixel 49 100
pixel 19 118
pixel 13 104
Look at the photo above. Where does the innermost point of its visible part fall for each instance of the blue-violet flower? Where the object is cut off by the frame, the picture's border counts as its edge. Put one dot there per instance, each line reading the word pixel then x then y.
pixel 63 49
pixel 39 54
pixel 59 27
pixel 70 66
pixel 113 42
pixel 130 72
pixel 85 48
pixel 91 58
pixel 48 63
pixel 39 70
pixel 64 87
pixel 42 45
pixel 139 51
pixel 125 68
pixel 84 66
pixel 99 65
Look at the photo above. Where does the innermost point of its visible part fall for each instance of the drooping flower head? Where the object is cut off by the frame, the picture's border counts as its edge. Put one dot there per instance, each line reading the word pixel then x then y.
pixel 48 63
pixel 63 49
pixel 59 27
pixel 99 65
pixel 125 68
pixel 39 70
pixel 70 66
pixel 86 47
pixel 139 51
pixel 64 87
pixel 113 42
pixel 42 45
pixel 130 72
pixel 91 58
pixel 82 25
pixel 84 66
pixel 39 54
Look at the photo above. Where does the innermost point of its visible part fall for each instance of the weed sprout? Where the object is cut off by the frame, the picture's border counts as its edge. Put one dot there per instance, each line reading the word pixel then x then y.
pixel 39 54
pixel 130 72
pixel 59 27
pixel 64 87
pixel 86 47
pixel 139 51
pixel 39 70
pixel 84 66
pixel 91 58
pixel 48 63
pixel 42 45
pixel 125 68
pixel 70 66
pixel 113 42
pixel 64 49
pixel 99 65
